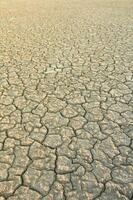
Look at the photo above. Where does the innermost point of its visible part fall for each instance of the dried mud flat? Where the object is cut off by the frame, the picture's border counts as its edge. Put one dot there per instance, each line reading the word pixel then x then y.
pixel 66 100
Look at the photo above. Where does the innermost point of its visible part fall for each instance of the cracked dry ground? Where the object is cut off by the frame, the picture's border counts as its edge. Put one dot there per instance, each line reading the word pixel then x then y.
pixel 66 106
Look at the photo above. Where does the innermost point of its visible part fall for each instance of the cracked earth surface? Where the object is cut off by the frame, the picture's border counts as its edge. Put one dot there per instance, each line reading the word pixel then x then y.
pixel 66 106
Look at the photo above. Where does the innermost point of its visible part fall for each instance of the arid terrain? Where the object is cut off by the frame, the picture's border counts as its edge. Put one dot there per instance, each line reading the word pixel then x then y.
pixel 66 99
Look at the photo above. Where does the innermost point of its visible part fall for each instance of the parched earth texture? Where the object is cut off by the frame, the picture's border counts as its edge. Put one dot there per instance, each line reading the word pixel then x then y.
pixel 66 99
